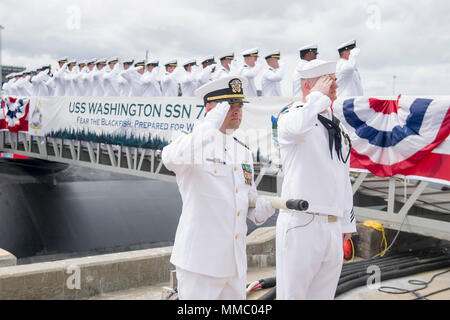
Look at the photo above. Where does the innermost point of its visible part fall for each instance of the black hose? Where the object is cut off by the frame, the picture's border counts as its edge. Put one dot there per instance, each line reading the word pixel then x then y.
pixel 354 283
pixel 271 295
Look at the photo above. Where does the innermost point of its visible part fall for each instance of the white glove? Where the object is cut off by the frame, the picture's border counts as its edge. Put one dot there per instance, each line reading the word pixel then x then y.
pixel 263 210
pixel 216 116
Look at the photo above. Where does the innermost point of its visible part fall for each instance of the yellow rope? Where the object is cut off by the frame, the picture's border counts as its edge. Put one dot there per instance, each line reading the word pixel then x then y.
pixel 378 226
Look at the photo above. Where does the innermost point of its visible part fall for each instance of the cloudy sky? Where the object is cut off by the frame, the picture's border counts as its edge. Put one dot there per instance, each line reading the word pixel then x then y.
pixel 408 39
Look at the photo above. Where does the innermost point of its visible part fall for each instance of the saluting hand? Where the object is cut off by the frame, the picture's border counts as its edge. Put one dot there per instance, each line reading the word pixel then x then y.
pixel 217 115
pixel 323 85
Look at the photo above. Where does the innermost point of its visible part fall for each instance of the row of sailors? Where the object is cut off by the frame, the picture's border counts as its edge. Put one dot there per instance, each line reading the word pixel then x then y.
pixel 109 77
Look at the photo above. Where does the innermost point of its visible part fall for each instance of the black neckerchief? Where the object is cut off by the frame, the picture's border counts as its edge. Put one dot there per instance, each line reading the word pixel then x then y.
pixel 334 135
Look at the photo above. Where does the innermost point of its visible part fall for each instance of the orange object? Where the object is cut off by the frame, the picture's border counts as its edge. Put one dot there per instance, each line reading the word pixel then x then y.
pixel 348 250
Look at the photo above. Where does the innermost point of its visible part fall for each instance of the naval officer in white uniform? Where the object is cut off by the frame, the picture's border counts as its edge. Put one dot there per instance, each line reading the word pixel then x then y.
pixel 347 73
pixel 169 82
pixel 214 173
pixel 271 78
pixel 225 67
pixel 307 53
pixel 315 155
pixel 250 70
pixel 189 81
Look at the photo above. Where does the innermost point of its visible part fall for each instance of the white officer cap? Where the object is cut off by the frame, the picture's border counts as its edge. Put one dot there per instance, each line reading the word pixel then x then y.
pixel 190 62
pixel 229 88
pixel 171 63
pixel 101 61
pixel 308 48
pixel 251 52
pixel 140 63
pixel 10 76
pixel 113 60
pixel 316 68
pixel 348 45
pixel 208 59
pixel 228 55
pixel 92 61
pixel 273 54
pixel 63 60
pixel 128 61
pixel 153 62
pixel 82 63
pixel 72 62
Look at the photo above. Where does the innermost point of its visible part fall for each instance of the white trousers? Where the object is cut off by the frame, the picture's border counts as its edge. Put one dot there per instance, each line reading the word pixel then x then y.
pixel 309 256
pixel 195 286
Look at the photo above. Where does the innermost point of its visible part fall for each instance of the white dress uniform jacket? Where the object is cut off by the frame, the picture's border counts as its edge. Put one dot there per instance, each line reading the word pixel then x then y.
pixel 297 83
pixel 39 84
pixel 134 78
pixel 24 87
pixel 348 78
pixel 221 72
pixel 206 75
pixel 250 73
pixel 310 173
pixel 169 84
pixel 150 81
pixel 309 247
pixel 270 82
pixel 97 82
pixel 110 81
pixel 211 235
pixel 189 84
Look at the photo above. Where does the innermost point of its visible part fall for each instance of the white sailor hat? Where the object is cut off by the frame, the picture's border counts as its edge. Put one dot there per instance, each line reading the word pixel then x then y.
pixel 128 61
pixel 153 62
pixel 274 54
pixel 229 88
pixel 171 63
pixel 101 61
pixel 348 45
pixel 308 48
pixel 10 76
pixel 63 60
pixel 228 55
pixel 140 63
pixel 251 52
pixel 82 63
pixel 190 62
pixel 72 62
pixel 91 61
pixel 316 68
pixel 208 59
pixel 113 60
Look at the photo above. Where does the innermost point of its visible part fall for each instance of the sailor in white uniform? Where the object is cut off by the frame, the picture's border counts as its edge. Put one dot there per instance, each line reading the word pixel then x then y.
pixel 53 82
pixel 39 82
pixel 169 83
pixel 71 86
pixel 6 88
pixel 124 85
pixel 97 78
pixel 134 77
pixel 151 80
pixel 23 85
pixel 206 74
pixel 307 53
pixel 271 78
pixel 189 82
pixel 214 173
pixel 315 155
pixel 349 80
pixel 111 77
pixel 225 67
pixel 250 70
pixel 86 78
pixel 12 88
pixel 83 70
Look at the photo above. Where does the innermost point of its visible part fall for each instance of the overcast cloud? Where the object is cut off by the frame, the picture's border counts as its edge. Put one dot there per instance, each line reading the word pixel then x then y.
pixel 409 39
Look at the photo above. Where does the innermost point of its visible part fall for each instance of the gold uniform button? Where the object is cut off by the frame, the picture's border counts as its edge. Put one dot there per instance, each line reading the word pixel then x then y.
pixel 235 168
pixel 237 236
pixel 237 190
pixel 239 213
pixel 215 171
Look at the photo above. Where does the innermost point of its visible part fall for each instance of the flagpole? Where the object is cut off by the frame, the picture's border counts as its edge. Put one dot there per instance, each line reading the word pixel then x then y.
pixel 1 69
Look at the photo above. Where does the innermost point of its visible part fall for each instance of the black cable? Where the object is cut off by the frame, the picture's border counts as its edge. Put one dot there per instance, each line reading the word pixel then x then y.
pixel 422 283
